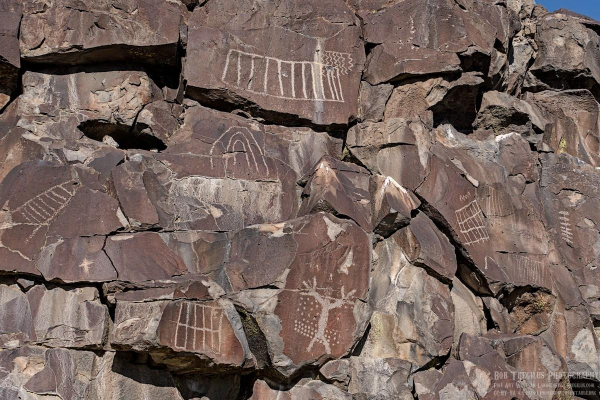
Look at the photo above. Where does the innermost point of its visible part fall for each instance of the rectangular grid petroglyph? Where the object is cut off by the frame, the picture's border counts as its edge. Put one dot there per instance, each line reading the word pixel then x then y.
pixel 471 224
pixel 290 80
pixel 199 328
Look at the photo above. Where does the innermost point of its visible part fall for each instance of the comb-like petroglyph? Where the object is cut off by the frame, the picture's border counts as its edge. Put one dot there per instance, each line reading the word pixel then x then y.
pixel 291 80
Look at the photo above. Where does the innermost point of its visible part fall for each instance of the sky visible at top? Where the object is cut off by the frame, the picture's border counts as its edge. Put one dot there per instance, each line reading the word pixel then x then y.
pixel 591 8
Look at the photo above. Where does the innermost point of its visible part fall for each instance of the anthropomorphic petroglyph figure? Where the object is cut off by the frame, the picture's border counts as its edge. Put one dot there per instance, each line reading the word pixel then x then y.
pixel 313 301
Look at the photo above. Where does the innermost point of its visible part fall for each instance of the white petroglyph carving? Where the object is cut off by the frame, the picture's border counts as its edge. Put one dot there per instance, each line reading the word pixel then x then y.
pixel 40 210
pixel 566 231
pixel 313 302
pixel 240 147
pixel 529 270
pixel 285 79
pixel 497 206
pixel 199 328
pixel 195 198
pixel 471 224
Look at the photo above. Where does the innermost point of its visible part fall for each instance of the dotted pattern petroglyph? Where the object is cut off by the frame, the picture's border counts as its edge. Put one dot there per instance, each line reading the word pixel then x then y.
pixel 199 328
pixel 313 304
pixel 291 80
pixel 471 224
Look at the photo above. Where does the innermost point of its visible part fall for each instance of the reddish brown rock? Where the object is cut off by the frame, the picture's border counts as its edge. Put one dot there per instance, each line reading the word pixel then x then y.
pixel 574 116
pixel 392 205
pixel 339 188
pixel 287 61
pixel 305 390
pixel 425 246
pixel 10 59
pixel 143 256
pixel 75 260
pixel 143 30
pixel 206 331
pixel 396 148
pixel 41 200
pixel 414 317
pixel 568 53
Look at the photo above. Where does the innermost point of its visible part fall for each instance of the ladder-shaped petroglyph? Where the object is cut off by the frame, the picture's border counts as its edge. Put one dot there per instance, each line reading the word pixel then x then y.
pixel 40 210
pixel 471 224
pixel 497 206
pixel 566 231
pixel 528 270
pixel 199 328
pixel 239 148
pixel 319 80
pixel 312 301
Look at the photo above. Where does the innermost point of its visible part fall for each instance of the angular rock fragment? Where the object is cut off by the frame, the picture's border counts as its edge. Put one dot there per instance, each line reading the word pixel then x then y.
pixel 53 318
pixel 574 116
pixel 396 148
pixel 425 246
pixel 10 59
pixel 142 30
pixel 392 205
pixel 503 114
pixel 42 200
pixel 340 188
pixel 307 390
pixel 286 62
pixel 206 331
pixel 568 55
pixel 414 316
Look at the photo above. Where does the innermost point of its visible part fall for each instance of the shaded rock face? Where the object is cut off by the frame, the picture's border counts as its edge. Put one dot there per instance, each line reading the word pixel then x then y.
pixel 350 199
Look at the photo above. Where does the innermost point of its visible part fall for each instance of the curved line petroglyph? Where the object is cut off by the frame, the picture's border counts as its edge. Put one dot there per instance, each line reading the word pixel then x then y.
pixel 243 137
pixel 285 79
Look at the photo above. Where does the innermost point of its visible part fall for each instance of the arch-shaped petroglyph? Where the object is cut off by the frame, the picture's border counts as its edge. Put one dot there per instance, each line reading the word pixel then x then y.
pixel 312 300
pixel 238 143
pixel 40 210
pixel 284 79
pixel 471 224
pixel 199 328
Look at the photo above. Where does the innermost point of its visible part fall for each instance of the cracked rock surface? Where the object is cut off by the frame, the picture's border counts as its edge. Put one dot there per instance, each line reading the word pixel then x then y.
pixel 281 200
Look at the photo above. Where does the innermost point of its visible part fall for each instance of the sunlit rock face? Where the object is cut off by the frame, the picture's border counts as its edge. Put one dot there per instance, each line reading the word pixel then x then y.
pixel 281 200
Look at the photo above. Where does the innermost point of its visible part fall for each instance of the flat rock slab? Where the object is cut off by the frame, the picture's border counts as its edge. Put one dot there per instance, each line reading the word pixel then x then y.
pixel 297 65
pixel 10 59
pixel 206 331
pixel 69 32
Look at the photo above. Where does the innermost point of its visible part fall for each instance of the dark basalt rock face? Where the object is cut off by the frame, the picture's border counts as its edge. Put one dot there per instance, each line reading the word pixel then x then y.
pixel 268 200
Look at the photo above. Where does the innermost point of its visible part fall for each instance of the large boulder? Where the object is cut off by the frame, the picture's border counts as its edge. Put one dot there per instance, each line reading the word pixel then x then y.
pixel 72 32
pixel 278 59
